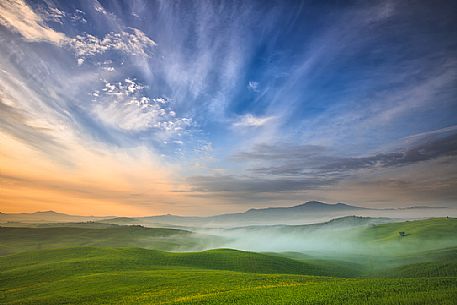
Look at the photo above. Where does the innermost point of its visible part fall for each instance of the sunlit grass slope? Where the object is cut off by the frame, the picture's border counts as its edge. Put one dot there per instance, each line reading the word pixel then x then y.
pixel 138 276
pixel 128 259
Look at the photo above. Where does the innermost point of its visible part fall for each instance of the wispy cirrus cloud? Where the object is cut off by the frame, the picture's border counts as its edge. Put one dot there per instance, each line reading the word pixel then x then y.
pixel 53 14
pixel 19 17
pixel 250 120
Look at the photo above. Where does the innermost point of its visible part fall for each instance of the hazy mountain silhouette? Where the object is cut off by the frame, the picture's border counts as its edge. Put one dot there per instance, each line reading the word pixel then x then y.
pixel 304 213
pixel 45 217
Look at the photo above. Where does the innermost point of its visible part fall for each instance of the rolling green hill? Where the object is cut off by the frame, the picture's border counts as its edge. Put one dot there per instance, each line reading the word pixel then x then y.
pixel 437 263
pixel 95 263
pixel 426 229
pixel 15 240
pixel 139 276
pixel 327 266
pixel 127 259
pixel 421 235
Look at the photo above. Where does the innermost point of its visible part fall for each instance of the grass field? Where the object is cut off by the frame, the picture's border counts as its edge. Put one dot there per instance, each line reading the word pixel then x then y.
pixel 138 276
pixel 15 239
pixel 427 234
pixel 110 265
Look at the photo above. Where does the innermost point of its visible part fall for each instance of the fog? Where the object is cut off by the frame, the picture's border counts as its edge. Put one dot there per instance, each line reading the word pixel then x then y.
pixel 277 240
pixel 348 236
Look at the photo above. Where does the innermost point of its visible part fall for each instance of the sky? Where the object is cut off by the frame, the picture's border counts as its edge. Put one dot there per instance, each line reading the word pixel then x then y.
pixel 205 107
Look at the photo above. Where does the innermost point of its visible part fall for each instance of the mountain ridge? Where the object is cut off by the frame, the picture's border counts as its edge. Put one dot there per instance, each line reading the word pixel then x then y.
pixel 307 212
pixel 312 205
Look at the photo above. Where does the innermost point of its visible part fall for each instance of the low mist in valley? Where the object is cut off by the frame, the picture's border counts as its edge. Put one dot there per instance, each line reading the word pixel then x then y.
pixel 344 236
pixel 311 230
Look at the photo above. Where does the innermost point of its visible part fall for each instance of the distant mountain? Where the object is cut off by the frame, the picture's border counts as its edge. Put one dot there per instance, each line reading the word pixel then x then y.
pixel 298 211
pixel 45 217
pixel 312 206
pixel 421 207
pixel 302 213
pixel 305 213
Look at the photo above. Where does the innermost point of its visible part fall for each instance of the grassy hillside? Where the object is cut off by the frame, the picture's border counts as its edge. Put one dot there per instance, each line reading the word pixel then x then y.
pixel 438 263
pixel 423 235
pixel 326 266
pixel 138 276
pixel 350 236
pixel 368 249
pixel 426 229
pixel 50 267
pixel 127 259
pixel 25 239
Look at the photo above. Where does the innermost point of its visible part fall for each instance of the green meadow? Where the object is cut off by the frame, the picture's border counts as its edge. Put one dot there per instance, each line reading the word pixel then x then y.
pixel 73 264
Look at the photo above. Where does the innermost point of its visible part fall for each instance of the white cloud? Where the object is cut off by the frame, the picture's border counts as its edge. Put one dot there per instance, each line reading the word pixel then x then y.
pixel 106 65
pixel 160 100
pixel 122 105
pixel 254 86
pixel 99 8
pixel 132 41
pixel 53 14
pixel 250 120
pixel 19 17
pixel 78 16
pixel 128 87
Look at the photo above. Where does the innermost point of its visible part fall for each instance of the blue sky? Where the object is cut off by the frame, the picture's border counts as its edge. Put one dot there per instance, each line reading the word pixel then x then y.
pixel 191 107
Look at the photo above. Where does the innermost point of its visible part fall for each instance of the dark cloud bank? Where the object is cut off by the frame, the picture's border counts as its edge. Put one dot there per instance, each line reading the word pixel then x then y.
pixel 296 168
